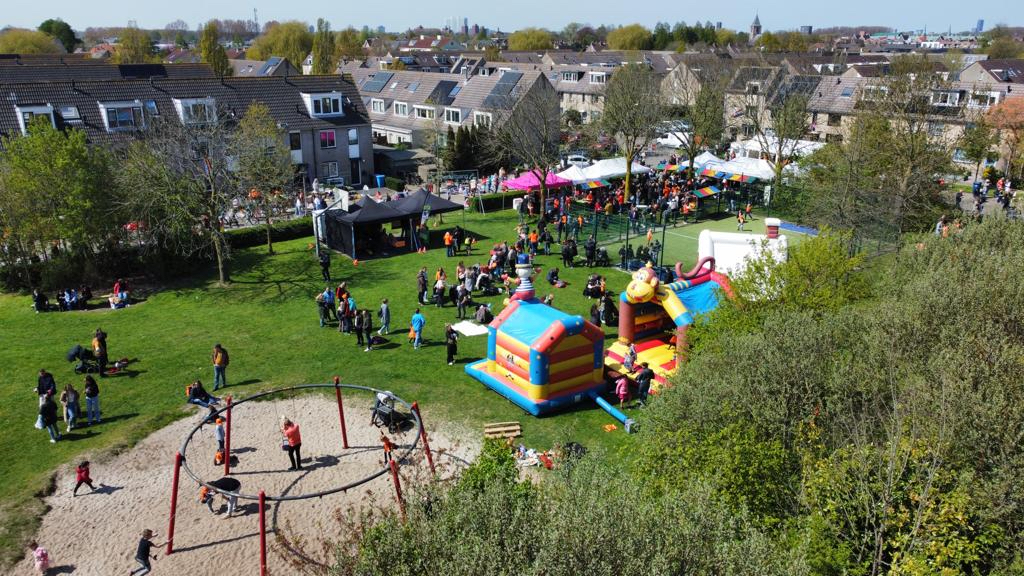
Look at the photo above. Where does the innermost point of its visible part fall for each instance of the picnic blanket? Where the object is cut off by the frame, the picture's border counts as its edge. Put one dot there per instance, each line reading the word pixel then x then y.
pixel 468 328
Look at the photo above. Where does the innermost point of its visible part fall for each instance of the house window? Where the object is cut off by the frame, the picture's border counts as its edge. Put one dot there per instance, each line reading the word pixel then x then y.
pixel 70 113
pixel 453 115
pixel 571 76
pixel 197 111
pixel 377 105
pixel 122 117
pixel 482 119
pixel 834 138
pixel 151 108
pixel 424 112
pixel 753 87
pixel 401 109
pixel 294 141
pixel 945 98
pixel 329 170
pixel 750 112
pixel 748 130
pixel 835 120
pixel 598 78
pixel 485 72
pixel 326 105
pixel 353 137
pixel 327 139
pixel 982 100
pixel 27 113
pixel 936 129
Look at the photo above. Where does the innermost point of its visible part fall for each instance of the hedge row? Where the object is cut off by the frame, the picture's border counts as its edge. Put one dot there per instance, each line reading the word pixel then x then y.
pixel 496 201
pixel 257 235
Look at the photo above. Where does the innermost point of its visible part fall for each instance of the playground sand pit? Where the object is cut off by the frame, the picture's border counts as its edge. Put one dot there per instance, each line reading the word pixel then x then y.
pixel 96 533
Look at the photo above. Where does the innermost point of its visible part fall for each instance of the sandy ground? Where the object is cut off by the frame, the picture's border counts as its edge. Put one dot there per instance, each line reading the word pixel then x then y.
pixel 95 534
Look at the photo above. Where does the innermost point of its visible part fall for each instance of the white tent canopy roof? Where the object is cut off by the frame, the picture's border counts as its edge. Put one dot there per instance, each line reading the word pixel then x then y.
pixel 769 145
pixel 748 167
pixel 574 173
pixel 612 168
pixel 706 159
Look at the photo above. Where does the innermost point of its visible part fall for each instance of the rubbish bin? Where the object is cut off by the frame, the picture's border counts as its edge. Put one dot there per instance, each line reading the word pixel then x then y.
pixel 380 180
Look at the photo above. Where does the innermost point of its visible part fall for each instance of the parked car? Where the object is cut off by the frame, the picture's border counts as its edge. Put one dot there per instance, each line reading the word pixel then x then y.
pixel 578 160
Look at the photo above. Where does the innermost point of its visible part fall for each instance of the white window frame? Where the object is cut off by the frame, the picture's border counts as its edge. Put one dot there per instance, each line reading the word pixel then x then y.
pixel 334 139
pixel 326 171
pixel 482 119
pixel 70 113
pixel 403 106
pixel 137 112
pixel 33 111
pixel 992 98
pixel 377 105
pixel 951 98
pixel 571 76
pixel 429 111
pixel 450 116
pixel 353 137
pixel 188 106
pixel 598 77
pixel 331 102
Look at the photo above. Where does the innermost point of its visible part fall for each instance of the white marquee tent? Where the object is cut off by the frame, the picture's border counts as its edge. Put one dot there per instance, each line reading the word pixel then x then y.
pixel 612 168
pixel 574 173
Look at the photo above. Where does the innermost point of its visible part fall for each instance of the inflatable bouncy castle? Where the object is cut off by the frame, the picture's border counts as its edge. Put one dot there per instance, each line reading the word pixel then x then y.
pixel 654 316
pixel 538 357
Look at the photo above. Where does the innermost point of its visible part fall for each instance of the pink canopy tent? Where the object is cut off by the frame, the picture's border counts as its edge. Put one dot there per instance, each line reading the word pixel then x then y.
pixel 530 181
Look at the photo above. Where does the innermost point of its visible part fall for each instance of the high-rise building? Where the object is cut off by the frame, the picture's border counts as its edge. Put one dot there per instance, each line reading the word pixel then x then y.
pixel 980 27
pixel 808 30
pixel 465 26
pixel 718 25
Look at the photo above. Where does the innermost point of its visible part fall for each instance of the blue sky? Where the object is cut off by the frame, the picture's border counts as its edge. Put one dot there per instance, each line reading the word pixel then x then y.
pixel 938 15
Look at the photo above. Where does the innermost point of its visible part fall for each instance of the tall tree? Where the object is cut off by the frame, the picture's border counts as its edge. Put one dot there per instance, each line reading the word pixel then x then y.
pixel 524 130
pixel 779 121
pixel 211 50
pixel 60 30
pixel 697 88
pixel 323 48
pixel 134 47
pixel 185 168
pixel 633 106
pixel 976 143
pixel 631 37
pixel 54 189
pixel 21 41
pixel 1008 120
pixel 530 39
pixel 291 40
pixel 265 170
pixel 347 45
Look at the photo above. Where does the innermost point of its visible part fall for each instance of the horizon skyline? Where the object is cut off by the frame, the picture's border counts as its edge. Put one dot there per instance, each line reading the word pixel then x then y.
pixel 774 15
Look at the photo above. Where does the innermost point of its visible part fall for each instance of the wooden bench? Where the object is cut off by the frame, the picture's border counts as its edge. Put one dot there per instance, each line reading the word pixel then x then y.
pixel 503 430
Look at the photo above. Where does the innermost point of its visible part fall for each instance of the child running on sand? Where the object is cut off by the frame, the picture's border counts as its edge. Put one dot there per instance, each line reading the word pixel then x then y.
pixel 82 477
pixel 40 556
pixel 144 553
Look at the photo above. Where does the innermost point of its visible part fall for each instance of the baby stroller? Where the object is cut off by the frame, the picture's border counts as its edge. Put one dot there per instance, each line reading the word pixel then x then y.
pixel 385 414
pixel 86 360
pixel 602 257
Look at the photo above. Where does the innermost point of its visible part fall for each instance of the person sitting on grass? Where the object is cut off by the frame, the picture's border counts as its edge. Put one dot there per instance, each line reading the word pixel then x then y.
pixel 200 397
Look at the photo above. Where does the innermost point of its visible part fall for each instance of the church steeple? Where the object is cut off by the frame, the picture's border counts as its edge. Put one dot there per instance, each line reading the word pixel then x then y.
pixel 755 28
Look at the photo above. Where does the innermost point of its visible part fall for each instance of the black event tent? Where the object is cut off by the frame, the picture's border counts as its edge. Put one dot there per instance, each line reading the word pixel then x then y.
pixel 361 229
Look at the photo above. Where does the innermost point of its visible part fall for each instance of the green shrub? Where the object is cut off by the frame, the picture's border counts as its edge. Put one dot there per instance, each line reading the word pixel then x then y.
pixel 496 201
pixel 257 235
pixel 396 184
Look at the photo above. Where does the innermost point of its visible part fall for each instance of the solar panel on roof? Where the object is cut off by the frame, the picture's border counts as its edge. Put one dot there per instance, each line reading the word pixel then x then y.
pixel 414 86
pixel 455 91
pixel 503 88
pixel 378 82
pixel 847 92
pixel 269 65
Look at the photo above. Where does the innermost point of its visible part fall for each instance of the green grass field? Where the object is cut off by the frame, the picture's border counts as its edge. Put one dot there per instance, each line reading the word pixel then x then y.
pixel 267 319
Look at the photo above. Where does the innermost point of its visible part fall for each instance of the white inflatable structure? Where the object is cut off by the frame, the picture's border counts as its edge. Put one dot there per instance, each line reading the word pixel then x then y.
pixel 731 250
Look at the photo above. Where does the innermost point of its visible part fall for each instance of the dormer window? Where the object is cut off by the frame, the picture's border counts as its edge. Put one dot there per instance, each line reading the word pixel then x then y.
pixel 453 115
pixel 945 98
pixel 571 76
pixel 326 105
pixel 70 113
pixel 196 110
pixel 27 113
pixel 122 116
pixel 598 78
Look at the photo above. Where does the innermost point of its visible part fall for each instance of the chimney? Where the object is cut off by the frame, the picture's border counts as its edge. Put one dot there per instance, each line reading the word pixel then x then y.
pixel 772 227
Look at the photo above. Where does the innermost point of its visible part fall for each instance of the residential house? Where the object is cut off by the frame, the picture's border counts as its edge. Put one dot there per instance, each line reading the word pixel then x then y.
pixel 274 66
pixel 415 109
pixel 328 131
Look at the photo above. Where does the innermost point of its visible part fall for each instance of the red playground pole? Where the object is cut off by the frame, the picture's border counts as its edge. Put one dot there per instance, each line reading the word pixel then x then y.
pixel 341 412
pixel 174 502
pixel 227 441
pixel 398 487
pixel 263 534
pixel 423 438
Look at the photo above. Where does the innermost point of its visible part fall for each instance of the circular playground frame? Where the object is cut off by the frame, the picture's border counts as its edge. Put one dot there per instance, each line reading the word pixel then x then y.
pixel 181 462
